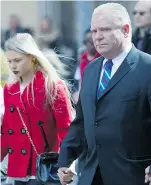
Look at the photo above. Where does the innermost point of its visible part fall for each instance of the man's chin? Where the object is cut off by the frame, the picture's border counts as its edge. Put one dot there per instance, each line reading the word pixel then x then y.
pixel 103 51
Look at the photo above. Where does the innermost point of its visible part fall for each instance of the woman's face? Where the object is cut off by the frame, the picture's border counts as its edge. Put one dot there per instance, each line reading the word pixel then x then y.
pixel 20 64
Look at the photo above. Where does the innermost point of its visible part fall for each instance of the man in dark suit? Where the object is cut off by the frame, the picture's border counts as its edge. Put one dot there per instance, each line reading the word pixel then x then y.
pixel 142 20
pixel 114 108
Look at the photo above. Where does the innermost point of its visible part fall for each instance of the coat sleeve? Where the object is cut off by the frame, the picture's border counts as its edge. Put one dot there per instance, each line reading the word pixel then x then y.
pixel 4 129
pixel 62 111
pixel 75 140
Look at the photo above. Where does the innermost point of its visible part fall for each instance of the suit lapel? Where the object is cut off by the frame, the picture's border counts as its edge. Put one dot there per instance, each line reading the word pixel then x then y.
pixel 125 67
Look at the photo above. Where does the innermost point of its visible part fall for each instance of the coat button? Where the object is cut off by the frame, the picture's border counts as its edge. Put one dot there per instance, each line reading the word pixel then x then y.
pixel 23 151
pixel 98 147
pixel 23 131
pixel 12 108
pixel 96 124
pixel 10 131
pixel 10 150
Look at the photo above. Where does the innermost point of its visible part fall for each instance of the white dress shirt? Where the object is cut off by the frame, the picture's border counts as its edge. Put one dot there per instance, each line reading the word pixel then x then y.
pixel 116 61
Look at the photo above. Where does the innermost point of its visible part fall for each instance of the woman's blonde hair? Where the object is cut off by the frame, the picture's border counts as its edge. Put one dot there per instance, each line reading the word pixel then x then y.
pixel 25 44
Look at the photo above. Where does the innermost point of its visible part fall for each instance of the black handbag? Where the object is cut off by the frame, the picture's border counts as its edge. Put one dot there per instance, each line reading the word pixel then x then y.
pixel 47 162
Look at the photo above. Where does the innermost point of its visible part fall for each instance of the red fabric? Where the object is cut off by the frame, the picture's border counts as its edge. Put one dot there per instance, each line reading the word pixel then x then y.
pixel 84 61
pixel 56 124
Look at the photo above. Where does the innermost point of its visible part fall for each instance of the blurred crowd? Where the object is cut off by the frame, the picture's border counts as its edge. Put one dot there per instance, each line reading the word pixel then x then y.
pixel 71 60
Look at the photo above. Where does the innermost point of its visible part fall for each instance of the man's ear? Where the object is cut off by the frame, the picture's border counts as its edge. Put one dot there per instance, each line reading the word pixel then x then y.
pixel 126 30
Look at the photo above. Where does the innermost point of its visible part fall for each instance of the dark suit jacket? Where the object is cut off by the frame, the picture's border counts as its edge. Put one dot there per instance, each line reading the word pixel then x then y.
pixel 117 127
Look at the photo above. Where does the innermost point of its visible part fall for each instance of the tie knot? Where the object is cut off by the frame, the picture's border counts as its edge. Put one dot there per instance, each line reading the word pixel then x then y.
pixel 108 63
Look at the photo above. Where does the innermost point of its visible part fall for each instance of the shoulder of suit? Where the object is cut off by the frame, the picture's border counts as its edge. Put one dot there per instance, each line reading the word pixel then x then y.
pixel 145 56
pixel 144 60
pixel 94 62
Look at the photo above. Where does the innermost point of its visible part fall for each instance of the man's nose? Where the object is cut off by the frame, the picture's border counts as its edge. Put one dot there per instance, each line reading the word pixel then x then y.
pixel 99 35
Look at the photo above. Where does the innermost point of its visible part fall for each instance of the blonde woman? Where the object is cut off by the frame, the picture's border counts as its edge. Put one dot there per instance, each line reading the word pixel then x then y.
pixel 34 94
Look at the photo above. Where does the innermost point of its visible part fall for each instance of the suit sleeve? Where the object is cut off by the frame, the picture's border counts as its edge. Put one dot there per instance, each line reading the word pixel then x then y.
pixel 149 94
pixel 4 130
pixel 62 111
pixel 74 142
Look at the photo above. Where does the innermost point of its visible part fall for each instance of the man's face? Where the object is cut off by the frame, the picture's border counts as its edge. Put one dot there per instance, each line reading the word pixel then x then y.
pixel 108 38
pixel 142 14
pixel 21 65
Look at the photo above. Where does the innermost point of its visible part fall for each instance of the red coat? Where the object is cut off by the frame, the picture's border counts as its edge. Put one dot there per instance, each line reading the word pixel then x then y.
pixel 84 61
pixel 14 140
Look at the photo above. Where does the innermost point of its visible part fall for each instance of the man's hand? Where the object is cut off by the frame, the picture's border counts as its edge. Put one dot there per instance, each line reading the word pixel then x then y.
pixel 148 175
pixel 65 175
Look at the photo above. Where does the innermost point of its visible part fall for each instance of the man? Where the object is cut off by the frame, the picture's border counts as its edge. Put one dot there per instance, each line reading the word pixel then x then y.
pixel 14 27
pixel 142 19
pixel 114 108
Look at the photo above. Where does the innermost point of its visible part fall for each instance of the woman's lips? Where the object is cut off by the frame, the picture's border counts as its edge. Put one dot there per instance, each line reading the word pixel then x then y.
pixel 15 72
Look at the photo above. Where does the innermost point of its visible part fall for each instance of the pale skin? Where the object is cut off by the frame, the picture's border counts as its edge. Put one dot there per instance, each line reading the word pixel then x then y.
pixel 65 175
pixel 22 65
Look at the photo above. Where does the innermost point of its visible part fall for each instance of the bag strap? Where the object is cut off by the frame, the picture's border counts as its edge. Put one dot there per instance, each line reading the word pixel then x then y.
pixel 40 123
pixel 25 127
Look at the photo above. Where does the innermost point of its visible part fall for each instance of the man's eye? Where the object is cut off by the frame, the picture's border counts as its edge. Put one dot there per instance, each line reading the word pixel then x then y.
pixel 107 29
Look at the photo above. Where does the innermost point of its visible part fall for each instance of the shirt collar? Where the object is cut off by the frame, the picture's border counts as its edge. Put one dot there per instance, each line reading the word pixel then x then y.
pixel 120 58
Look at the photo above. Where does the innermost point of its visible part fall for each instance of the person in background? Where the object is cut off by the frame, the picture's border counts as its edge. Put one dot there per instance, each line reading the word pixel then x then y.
pixel 60 67
pixel 113 115
pixel 14 26
pixel 35 94
pixel 48 36
pixel 142 20
pixel 4 68
pixel 85 58
pixel 89 54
